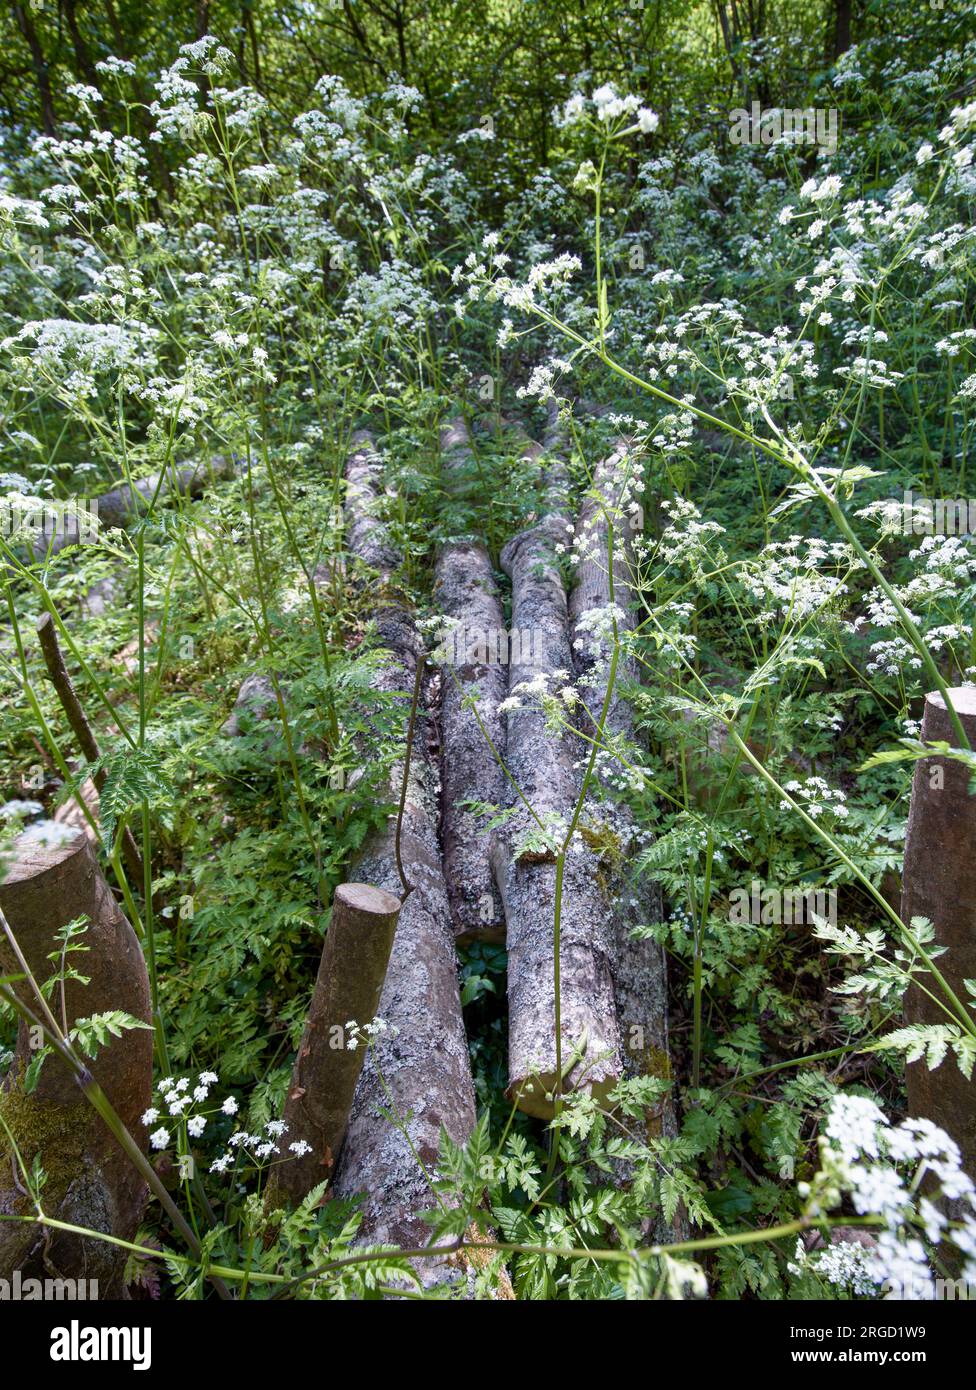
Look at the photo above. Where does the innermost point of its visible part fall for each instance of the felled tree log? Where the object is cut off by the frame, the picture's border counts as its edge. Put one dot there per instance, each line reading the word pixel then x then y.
pixel 940 884
pixel 122 505
pixel 90 1182
pixel 347 989
pixel 255 704
pixel 543 765
pixel 367 536
pixel 640 966
pixel 555 441
pixel 475 655
pixel 608 502
pixel 419 1069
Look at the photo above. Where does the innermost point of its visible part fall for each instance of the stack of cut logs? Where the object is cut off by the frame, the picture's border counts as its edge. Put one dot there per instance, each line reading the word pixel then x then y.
pixel 433 877
pixel 467 883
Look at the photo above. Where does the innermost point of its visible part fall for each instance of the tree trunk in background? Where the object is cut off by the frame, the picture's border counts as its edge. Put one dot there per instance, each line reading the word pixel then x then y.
pixel 82 52
pixel 731 40
pixel 842 28
pixel 42 76
pixel 90 1182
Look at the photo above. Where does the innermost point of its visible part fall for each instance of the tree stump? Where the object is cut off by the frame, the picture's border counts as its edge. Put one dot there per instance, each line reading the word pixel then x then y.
pixel 90 1182
pixel 476 653
pixel 323 1082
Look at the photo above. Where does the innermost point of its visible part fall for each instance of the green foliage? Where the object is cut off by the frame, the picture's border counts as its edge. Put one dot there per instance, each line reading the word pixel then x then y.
pixel 89 1035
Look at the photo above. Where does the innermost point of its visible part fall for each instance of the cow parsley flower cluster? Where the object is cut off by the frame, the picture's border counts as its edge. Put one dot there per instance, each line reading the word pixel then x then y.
pixel 907 1182
pixel 788 578
pixel 816 797
pixel 184 1112
pixel 608 109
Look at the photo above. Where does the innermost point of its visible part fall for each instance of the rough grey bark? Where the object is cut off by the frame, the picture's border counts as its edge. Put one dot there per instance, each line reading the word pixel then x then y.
pixel 323 1080
pixel 544 765
pixel 640 966
pixel 475 655
pixel 103 595
pixel 555 442
pixel 91 1183
pixel 940 884
pixel 122 505
pixel 419 1069
pixel 367 536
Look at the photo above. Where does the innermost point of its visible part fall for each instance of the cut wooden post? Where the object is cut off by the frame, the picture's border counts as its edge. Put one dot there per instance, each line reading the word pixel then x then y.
pixel 940 884
pixel 82 730
pixel 475 656
pixel 323 1082
pixel 91 1182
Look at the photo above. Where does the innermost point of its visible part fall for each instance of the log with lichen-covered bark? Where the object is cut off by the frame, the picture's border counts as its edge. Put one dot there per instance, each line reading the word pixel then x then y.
pixel 125 503
pixel 474 681
pixel 605 531
pixel 418 1070
pixel 560 1037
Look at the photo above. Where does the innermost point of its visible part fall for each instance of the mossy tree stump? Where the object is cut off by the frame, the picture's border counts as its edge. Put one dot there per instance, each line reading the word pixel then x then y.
pixel 89 1181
